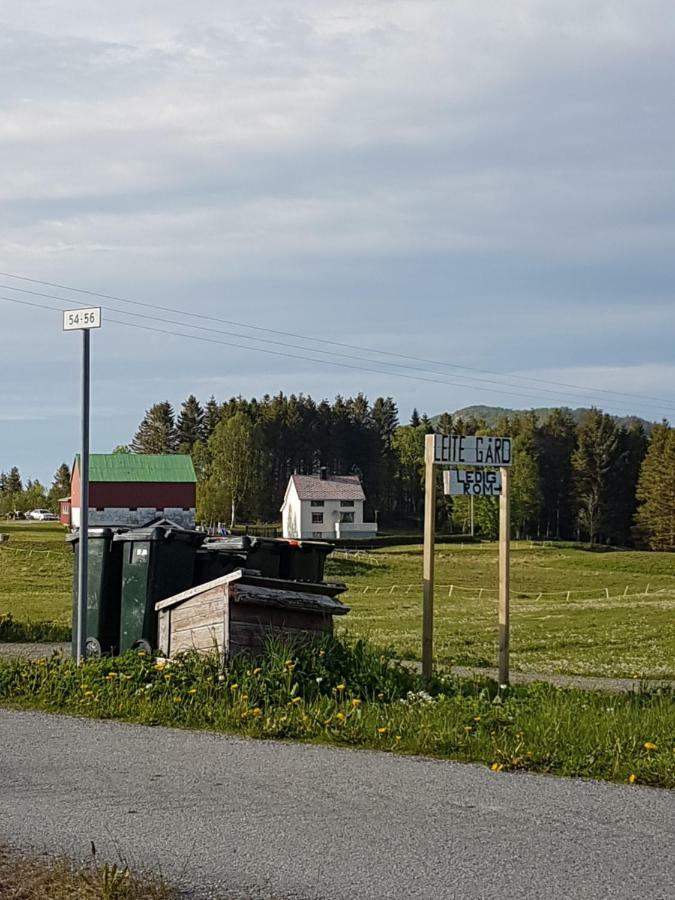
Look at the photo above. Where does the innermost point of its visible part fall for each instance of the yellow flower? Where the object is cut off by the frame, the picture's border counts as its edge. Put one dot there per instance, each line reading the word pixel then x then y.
pixel 233 687
pixel 192 691
pixel 257 671
pixel 88 693
pixel 296 700
pixel 167 677
pixel 398 737
pixel 467 728
pixel 476 718
pixel 632 778
pixel 356 701
pixel 177 699
pixel 381 730
pixel 160 663
pixel 322 652
pixel 497 767
pixel 649 746
pixel 244 696
pixel 340 716
pixel 244 715
pixel 257 712
pixel 341 686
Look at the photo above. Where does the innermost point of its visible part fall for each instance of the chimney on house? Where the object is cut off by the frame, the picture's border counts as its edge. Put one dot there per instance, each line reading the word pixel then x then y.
pixel 323 473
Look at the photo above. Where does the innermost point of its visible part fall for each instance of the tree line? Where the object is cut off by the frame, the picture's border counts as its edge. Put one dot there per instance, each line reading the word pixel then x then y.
pixel 17 497
pixel 592 480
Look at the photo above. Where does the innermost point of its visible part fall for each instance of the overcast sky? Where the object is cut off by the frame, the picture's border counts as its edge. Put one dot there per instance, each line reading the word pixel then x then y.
pixel 481 184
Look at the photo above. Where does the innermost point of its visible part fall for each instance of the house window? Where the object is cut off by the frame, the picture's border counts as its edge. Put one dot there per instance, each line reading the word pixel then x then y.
pixel 316 502
pixel 346 502
pixel 347 518
pixel 317 518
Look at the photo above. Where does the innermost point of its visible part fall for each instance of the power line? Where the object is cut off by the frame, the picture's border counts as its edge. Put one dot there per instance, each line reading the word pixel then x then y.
pixel 325 362
pixel 467 381
pixel 159 307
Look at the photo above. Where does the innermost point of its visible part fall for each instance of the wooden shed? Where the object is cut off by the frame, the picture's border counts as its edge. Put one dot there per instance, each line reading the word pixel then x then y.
pixel 238 612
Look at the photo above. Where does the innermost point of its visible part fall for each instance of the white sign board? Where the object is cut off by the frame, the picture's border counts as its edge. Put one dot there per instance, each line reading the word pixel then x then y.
pixel 475 450
pixel 472 482
pixel 74 319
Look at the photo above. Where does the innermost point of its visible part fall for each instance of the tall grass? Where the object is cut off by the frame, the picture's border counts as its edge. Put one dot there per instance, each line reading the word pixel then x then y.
pixel 347 693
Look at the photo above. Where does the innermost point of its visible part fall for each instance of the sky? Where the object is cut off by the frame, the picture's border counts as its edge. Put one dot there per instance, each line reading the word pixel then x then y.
pixel 482 190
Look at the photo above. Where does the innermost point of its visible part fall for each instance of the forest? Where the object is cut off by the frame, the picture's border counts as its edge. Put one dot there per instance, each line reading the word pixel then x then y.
pixel 587 477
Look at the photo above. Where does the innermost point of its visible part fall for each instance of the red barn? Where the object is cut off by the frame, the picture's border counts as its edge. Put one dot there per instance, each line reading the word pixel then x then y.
pixel 134 489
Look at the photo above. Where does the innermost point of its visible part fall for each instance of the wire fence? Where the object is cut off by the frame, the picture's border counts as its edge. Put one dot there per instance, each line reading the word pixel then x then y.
pixel 479 593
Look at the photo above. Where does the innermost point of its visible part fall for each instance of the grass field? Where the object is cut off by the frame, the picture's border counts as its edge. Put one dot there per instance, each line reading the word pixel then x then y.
pixel 563 620
pixel 35 572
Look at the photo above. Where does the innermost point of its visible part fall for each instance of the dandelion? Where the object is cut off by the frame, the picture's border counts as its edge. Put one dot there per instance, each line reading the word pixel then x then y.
pixel 398 737
pixel 467 728
pixel 244 715
pixel 340 716
pixel 296 700
pixel 257 712
pixel 322 652
pixel 356 701
pixel 497 767
pixel 257 671
pixel 649 746
pixel 382 730
pixel 88 693
pixel 476 718
pixel 177 699
pixel 192 691
pixel 160 664
pixel 632 778
pixel 167 677
pixel 233 687
pixel 341 686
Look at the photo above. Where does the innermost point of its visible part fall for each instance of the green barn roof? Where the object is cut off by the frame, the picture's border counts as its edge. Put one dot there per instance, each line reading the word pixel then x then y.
pixel 175 468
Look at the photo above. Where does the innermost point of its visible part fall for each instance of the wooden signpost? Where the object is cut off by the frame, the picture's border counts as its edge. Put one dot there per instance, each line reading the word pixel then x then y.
pixel 483 452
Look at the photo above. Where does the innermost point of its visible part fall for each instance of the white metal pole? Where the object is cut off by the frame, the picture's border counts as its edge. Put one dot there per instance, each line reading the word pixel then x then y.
pixel 504 596
pixel 83 565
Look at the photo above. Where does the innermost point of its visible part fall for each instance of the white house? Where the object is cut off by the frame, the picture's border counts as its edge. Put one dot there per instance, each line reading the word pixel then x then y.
pixel 322 507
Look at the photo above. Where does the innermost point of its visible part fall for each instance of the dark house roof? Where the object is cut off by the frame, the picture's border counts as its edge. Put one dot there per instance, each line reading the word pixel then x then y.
pixel 336 487
pixel 140 467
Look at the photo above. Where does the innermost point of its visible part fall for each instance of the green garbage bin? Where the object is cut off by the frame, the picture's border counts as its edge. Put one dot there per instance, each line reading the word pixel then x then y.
pixel 305 560
pixel 104 583
pixel 157 562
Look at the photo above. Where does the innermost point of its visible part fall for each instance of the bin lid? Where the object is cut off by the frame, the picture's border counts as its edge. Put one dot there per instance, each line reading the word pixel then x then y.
pixel 162 531
pixel 94 534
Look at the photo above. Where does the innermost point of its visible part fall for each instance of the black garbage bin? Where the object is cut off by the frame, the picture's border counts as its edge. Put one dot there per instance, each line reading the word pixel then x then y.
pixel 305 560
pixel 264 555
pixel 157 562
pixel 104 584
pixel 212 563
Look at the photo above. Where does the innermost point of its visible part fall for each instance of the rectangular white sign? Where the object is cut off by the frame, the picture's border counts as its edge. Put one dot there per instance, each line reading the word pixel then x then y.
pixel 472 483
pixel 74 319
pixel 475 450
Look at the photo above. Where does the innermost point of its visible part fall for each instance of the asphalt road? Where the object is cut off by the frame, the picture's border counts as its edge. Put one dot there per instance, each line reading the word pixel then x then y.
pixel 228 818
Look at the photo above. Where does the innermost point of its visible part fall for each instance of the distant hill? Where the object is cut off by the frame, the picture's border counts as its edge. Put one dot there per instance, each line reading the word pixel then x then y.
pixel 491 414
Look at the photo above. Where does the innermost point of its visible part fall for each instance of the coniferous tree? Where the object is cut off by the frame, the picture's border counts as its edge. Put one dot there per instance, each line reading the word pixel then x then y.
pixel 593 460
pixel 157 431
pixel 60 486
pixel 212 416
pixel 13 484
pixel 557 440
pixel 189 426
pixel 415 418
pixel 656 490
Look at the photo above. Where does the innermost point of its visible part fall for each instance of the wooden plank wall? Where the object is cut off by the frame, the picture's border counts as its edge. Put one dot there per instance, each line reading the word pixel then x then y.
pixel 250 626
pixel 200 623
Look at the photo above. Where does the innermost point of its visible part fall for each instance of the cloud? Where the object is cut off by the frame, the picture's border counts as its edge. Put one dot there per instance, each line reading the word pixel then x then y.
pixel 477 181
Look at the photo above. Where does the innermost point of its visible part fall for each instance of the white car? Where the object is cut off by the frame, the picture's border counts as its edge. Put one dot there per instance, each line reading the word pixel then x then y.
pixel 42 515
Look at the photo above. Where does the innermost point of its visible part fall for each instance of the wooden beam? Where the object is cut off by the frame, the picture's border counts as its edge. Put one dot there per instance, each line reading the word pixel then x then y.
pixel 504 597
pixel 428 565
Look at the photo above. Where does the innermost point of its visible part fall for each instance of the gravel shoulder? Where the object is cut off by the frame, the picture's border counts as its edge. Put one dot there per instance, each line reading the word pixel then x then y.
pixel 227 817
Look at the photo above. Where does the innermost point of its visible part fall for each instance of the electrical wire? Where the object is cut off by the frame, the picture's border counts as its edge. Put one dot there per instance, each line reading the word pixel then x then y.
pixel 467 381
pixel 584 389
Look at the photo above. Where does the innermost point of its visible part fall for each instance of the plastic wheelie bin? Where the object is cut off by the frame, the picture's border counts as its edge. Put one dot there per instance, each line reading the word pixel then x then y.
pixel 264 555
pixel 157 562
pixel 305 560
pixel 104 583
pixel 211 563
